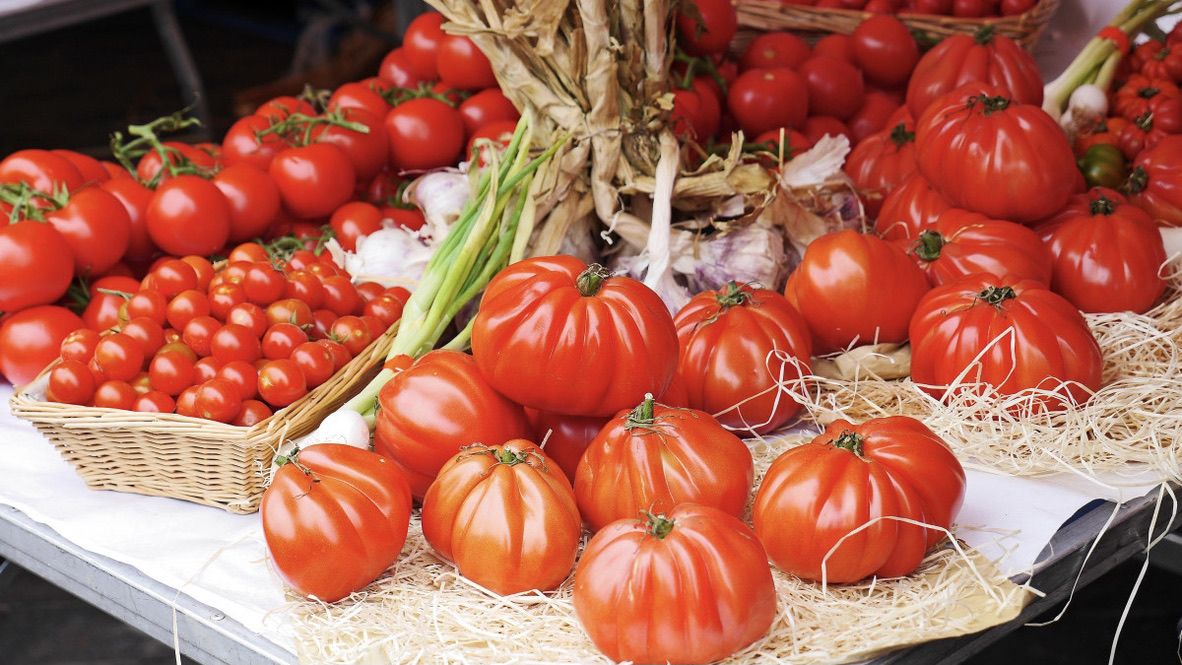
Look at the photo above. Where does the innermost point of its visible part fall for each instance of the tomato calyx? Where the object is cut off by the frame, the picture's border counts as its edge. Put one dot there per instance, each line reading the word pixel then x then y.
pixel 900 136
pixel 396 96
pixel 985 35
pixel 1148 92
pixel 989 104
pixel 1138 180
pixel 30 204
pixel 851 441
pixel 996 295
pixel 1102 206
pixel 591 280
pixel 642 415
pixel 657 526
pixel 929 244
pixel 293 459
pixel 510 457
pixel 734 296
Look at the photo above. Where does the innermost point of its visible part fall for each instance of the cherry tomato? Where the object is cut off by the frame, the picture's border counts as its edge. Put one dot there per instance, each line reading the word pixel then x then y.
pixel 485 107
pixel 708 27
pixel 154 401
pixel 107 301
pixel 147 332
pixel 396 70
pixel 765 99
pixel 243 375
pixel 243 145
pixel 386 308
pixel 198 334
pixel 96 226
pixel 288 310
pixel 189 215
pixel 773 50
pixel 250 316
pixel 355 220
pixel 202 268
pixel 217 399
pixel 171 372
pixel 875 115
pixel 42 170
pixel 263 284
pixel 367 151
pixel 281 339
pixel 462 65
pixel 420 43
pixel 315 361
pixel 36 264
pixel 141 383
pixel 70 382
pixel 281 382
pixel 223 298
pixel 252 197
pixel 313 180
pixel 186 306
pixel 340 295
pixel 186 402
pixel 817 127
pixel 205 369
pixel 840 47
pixel 79 345
pixel 352 332
pixel 340 355
pixel 411 219
pixel 424 134
pixel 151 304
pixel 174 276
pixel 358 96
pixel 835 87
pixel 885 50
pixel 119 356
pixel 149 167
pixel 367 291
pixel 322 320
pixel 304 286
pixel 235 342
pixel 135 199
pixel 248 252
pixel 253 412
pixel 115 395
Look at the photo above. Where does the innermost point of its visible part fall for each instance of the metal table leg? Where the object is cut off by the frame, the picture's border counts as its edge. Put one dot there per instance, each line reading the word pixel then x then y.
pixel 192 89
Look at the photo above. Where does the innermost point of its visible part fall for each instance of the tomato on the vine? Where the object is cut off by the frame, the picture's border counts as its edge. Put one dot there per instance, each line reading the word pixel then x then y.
pixel 244 144
pixel 424 134
pixel 462 65
pixel 252 197
pixel 313 180
pixel 420 44
pixel 96 226
pixel 367 151
pixel 487 106
pixel 189 215
pixel 42 170
pixel 353 221
pixel 396 70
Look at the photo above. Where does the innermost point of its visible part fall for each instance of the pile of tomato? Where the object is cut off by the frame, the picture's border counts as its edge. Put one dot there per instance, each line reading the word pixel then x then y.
pixel 956 8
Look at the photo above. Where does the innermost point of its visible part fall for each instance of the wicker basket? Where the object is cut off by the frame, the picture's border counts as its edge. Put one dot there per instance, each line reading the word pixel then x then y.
pixel 770 15
pixel 185 458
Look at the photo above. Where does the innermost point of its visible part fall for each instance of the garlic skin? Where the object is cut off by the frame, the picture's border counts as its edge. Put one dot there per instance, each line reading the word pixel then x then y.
pixel 343 426
pixel 391 256
pixel 441 195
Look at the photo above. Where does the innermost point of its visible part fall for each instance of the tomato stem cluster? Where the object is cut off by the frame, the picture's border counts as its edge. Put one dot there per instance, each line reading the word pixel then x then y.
pixel 591 280
pixel 929 244
pixel 147 140
pixel 996 295
pixel 851 441
pixel 658 526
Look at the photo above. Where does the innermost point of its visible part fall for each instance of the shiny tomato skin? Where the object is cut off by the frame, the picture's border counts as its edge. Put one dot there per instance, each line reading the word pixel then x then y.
pixel 490 105
pixel 186 306
pixel 462 65
pixel 281 382
pixel 885 50
pixel 657 459
pixel 119 356
pixel 877 112
pixel 909 209
pixel 92 171
pixel 253 412
pixel 424 134
pixel 253 199
pixel 135 199
pixel 70 382
pixel 263 284
pixel 386 309
pixel 817 127
pixel 1050 342
pixel 332 537
pixel 340 355
pixel 281 107
pixel 315 361
pixel 358 96
pixel 708 28
pixel 564 438
pixel 881 163
pixel 198 334
pixel 154 401
pixel 772 50
pixel 1106 253
pixel 838 288
pixel 313 180
pixel 243 375
pixel 242 144
pixel 235 342
pixel 42 170
pixel 340 295
pixel 815 494
pixel 420 43
pixel 766 99
pixel 367 151
pixel 352 332
pixel 79 345
pixel 436 406
pixel 96 226
pixel 281 339
pixel 288 310
pixel 353 221
pixel 396 71
pixel 171 372
pixel 106 304
pixel 835 87
pixel 529 529
pixel 737 344
pixel 631 616
pixel 114 395
pixel 171 277
pixel 600 342
pixel 836 46
pixel 957 130
pixel 149 303
pixel 189 215
pixel 961 243
pixel 36 265
pixel 991 59
pixel 1155 185
pixel 218 400
pixel 147 332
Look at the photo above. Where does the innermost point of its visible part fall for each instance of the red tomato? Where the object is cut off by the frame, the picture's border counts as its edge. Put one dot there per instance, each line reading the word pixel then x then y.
pixel 355 220
pixel 281 339
pixel 107 301
pixel 531 529
pixel 765 99
pixel 253 412
pixel 1155 185
pixel 358 96
pixel 794 142
pixel 962 243
pixel 774 50
pixel 738 344
pixel 352 332
pixel 1140 95
pixel 600 342
pixel 706 27
pixel 315 362
pixel 959 143
pixel 367 151
pixel 696 113
pixel 882 163
pixel 564 438
pixel 839 287
pixel 223 298
pixel 147 332
pixel 340 355
pixel 340 295
pixel 497 135
pixel 235 342
pixel 42 170
pixel 386 309
pixel 248 252
pixel 154 401
pixel 36 264
pixel 150 304
pixel 304 286
pixel 287 310
pixel 198 334
pixel 253 199
pixel 836 46
pixel 263 284
pixel 981 332
pixel 219 400
pixel 987 58
pixel 70 382
pixel 734 597
pixel 878 109
pixel 119 356
pixel 396 70
pixel 815 495
pixel 135 199
pixel 281 382
pixel 835 87
pixel 242 374
pixel 186 306
pixel 173 276
pixel 96 227
pixel 149 167
pixel 909 209
pixel 885 50
pixel 1016 7
pixel 313 180
pixel 92 171
pixel 280 108
pixel 818 127
pixel 335 517
pixel 487 106
pixel 420 44
pixel 115 395
pixel 79 345
pixel 654 457
pixel 433 408
pixel 202 268
pixel 243 144
pixel 424 134
pixel 461 64
pixel 1163 62
pixel 1150 128
pixel 367 291
pixel 171 372
pixel 1107 254
pixel 189 215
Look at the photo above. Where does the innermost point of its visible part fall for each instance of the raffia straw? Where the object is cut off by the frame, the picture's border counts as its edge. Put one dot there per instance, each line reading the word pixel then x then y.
pixel 423 611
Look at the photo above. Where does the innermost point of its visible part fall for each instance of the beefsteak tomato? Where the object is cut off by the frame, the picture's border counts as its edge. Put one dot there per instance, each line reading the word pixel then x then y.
pixel 909 209
pixel 881 163
pixel 961 243
pixel 1155 184
pixel 986 57
pixel 564 438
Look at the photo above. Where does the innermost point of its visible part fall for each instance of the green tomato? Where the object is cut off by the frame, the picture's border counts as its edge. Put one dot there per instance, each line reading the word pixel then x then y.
pixel 1104 165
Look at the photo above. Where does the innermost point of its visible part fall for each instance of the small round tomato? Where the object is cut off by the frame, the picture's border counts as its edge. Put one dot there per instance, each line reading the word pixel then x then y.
pixel 281 382
pixel 253 412
pixel 223 298
pixel 186 306
pixel 244 145
pixel 341 296
pixel 186 402
pixel 244 375
pixel 355 220
pixel 202 268
pixel 198 334
pixel 885 50
pixel 248 252
pixel 171 372
pixel 366 150
pixel 281 339
pixel 817 127
pixel 315 361
pixel 217 399
pixel 205 369
pixel 179 347
pixel 189 215
pixel 305 287
pixel 765 99
pixel 235 342
pixel 280 108
pixel 340 355
pixel 386 308
pixel 352 332
pixel 420 43
pixel 172 276
pixel 485 107
pixel 290 311
pixel 79 345
pixel 147 332
pixel 836 46
pixel 141 383
pixel 253 199
pixel 462 65
pixel 263 284
pixel 108 297
pixel 424 134
pixel 154 401
pixel 71 382
pixel 115 395
pixel 707 28
pixel 322 320
pixel 835 87
pixel 250 316
pixel 877 113
pixel 119 356
pixel 367 291
pixel 396 71
pixel 313 180
pixel 772 50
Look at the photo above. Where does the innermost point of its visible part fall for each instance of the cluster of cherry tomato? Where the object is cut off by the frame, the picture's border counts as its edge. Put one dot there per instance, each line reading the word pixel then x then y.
pixel 780 87
pixel 230 345
pixel 1145 107
pixel 957 8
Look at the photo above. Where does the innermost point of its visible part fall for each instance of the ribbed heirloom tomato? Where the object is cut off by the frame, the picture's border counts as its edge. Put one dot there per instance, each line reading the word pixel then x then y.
pixel 506 516
pixel 335 517
pixel 738 345
pixel 984 331
pixel 654 457
pixel 1107 253
pixel 881 163
pixel 596 343
pixel 985 151
pixel 689 586
pixel 855 289
pixel 1155 184
pixel 564 438
pixel 850 475
pixel 961 243
pixel 909 209
pixel 431 409
pixel 985 58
